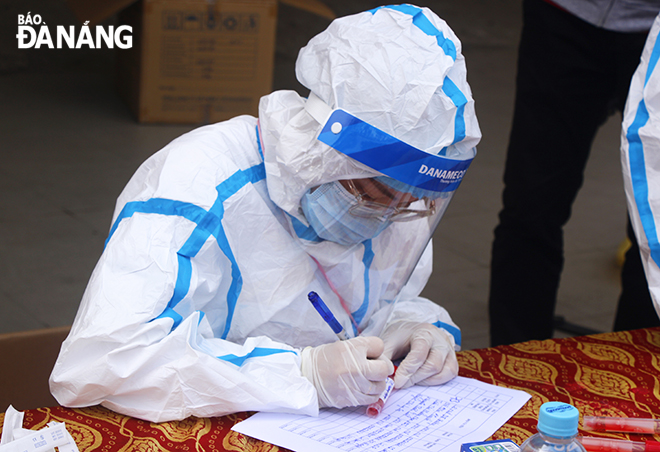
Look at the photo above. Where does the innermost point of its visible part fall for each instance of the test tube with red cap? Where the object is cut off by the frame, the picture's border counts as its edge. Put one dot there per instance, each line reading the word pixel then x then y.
pixel 618 445
pixel 375 408
pixel 621 424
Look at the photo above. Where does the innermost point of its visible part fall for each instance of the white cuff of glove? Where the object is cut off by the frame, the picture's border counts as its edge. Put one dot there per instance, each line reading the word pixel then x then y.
pixel 429 353
pixel 347 373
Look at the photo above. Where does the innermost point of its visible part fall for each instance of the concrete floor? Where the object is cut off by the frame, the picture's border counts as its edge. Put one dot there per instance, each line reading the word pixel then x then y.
pixel 68 145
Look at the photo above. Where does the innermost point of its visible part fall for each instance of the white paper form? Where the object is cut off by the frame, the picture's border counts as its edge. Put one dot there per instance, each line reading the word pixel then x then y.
pixel 420 418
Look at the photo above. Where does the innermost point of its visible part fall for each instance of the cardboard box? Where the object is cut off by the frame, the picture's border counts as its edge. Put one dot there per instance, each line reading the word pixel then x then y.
pixel 194 61
pixel 28 358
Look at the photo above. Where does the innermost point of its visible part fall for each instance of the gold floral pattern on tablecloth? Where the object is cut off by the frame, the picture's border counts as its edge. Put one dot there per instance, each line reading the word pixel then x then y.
pixel 606 352
pixel 530 369
pixel 537 347
pixel 237 442
pixel 472 360
pixel 605 383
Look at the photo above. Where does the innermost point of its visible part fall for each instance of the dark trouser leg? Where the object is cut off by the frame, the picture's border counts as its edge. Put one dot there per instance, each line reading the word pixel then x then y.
pixel 570 77
pixel 563 86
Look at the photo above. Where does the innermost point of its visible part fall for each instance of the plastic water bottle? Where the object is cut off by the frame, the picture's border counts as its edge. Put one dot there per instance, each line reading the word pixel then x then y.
pixel 558 429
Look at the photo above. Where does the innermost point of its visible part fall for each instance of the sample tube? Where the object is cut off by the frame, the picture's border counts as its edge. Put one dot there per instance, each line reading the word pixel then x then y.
pixel 375 408
pixel 621 424
pixel 617 445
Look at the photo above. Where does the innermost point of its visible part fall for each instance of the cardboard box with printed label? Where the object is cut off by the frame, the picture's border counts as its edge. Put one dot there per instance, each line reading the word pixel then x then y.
pixel 194 61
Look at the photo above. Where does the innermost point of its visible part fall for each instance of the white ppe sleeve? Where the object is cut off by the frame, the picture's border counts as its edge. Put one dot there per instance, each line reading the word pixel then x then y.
pixel 640 158
pixel 117 356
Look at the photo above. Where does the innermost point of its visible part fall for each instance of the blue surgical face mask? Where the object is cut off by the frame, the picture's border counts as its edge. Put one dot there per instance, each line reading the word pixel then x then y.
pixel 328 210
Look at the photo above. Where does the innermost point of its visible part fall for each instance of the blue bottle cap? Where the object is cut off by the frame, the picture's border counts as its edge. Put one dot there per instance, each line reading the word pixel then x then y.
pixel 558 419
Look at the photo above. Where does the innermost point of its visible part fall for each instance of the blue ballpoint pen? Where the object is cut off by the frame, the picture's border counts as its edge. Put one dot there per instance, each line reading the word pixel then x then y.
pixel 330 319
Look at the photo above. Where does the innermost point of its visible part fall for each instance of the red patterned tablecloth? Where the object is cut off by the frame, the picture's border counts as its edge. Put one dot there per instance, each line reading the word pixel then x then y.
pixel 612 374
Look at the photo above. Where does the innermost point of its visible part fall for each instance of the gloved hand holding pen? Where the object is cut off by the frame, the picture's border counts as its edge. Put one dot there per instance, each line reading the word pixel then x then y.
pixel 428 352
pixel 347 373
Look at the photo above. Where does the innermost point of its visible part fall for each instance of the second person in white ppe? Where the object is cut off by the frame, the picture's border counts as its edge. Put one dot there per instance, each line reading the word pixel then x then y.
pixel 640 161
pixel 198 304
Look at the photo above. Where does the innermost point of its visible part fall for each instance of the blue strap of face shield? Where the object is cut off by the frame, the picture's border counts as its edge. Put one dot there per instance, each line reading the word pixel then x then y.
pixel 390 156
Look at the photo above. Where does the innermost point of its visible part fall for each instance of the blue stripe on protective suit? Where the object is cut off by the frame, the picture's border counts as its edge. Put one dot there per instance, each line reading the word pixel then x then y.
pixel 158 206
pixel 639 181
pixel 367 260
pixel 209 223
pixel 176 317
pixel 390 156
pixel 422 22
pixel 172 314
pixel 459 99
pixel 652 62
pixel 451 329
pixel 254 353
pixel 304 232
pixel 261 153
pixel 638 166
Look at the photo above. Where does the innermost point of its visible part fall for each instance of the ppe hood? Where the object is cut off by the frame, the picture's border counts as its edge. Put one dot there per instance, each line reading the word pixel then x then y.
pixel 398 70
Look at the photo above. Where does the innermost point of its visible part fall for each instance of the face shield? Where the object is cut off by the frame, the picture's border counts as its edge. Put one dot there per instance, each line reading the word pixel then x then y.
pixel 415 185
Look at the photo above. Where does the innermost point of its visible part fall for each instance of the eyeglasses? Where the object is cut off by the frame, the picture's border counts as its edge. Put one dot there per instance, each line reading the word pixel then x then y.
pixel 367 208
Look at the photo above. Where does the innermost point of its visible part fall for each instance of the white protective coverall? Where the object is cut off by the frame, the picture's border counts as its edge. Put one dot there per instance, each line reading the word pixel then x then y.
pixel 198 304
pixel 640 159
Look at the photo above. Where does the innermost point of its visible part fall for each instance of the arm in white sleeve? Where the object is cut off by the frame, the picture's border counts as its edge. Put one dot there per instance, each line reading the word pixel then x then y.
pixel 122 353
pixel 640 159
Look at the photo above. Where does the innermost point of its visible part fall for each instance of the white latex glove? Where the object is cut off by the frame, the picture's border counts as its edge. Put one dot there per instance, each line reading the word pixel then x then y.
pixel 347 373
pixel 429 353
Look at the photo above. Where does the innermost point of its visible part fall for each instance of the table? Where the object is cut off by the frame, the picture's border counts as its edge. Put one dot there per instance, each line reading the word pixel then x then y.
pixel 611 374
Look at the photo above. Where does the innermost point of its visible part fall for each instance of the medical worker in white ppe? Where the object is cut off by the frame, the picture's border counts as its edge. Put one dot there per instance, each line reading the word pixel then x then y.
pixel 198 304
pixel 640 159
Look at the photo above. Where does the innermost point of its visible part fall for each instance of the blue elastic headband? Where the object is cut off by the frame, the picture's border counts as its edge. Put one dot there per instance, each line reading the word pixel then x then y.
pixel 388 155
